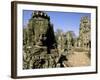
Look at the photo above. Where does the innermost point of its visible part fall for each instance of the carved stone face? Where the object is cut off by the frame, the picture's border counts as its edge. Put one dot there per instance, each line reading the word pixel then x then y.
pixel 41 25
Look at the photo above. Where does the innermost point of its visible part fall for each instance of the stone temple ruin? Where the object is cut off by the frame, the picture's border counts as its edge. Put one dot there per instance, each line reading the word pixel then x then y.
pixel 44 48
pixel 85 33
pixel 40 47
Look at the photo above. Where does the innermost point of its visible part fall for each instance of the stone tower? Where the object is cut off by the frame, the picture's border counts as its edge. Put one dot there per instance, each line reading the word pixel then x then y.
pixel 40 50
pixel 69 39
pixel 84 32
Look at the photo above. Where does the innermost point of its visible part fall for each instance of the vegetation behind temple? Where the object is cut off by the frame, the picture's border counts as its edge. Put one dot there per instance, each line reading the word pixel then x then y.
pixel 44 48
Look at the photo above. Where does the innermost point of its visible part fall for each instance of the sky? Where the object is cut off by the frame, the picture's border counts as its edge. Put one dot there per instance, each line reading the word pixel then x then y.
pixel 66 21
